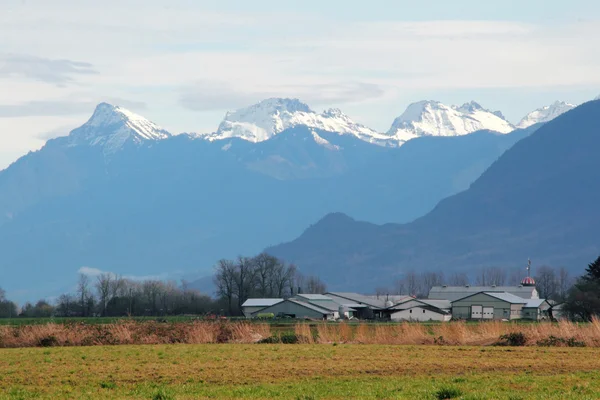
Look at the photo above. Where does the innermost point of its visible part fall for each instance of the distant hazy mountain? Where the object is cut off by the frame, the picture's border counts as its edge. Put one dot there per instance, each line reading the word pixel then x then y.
pixel 432 118
pixel 539 200
pixel 121 194
pixel 545 114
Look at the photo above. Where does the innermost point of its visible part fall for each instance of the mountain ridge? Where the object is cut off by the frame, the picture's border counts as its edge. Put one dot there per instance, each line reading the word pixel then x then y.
pixel 537 200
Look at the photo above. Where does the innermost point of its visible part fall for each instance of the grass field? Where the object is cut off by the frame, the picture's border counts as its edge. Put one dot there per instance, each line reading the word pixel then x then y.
pixel 183 371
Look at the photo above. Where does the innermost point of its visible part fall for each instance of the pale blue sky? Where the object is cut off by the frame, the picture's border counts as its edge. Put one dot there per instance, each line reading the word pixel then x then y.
pixel 183 64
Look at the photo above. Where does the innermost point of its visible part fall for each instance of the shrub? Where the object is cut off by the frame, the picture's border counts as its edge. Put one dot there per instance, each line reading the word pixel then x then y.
pixel 553 341
pixel 48 341
pixel 512 339
pixel 286 338
pixel 448 393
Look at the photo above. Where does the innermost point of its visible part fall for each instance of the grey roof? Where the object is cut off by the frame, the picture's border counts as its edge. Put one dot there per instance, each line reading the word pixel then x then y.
pixel 300 303
pixel 322 301
pixel 310 296
pixel 458 292
pixel 261 302
pixel 405 305
pixel 443 304
pixel 311 306
pixel 509 298
pixel 356 298
pixel 534 303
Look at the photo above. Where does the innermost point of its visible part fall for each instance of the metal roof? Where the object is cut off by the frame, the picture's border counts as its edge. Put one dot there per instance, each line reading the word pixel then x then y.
pixel 509 298
pixel 405 305
pixel 300 303
pixel 357 298
pixel 261 302
pixel 534 303
pixel 458 292
pixel 443 304
pixel 313 296
pixel 310 306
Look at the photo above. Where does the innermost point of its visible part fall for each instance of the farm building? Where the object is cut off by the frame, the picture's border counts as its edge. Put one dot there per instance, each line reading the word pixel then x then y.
pixel 536 309
pixel 556 312
pixel 293 308
pixel 488 305
pixel 251 306
pixel 453 293
pixel 420 310
pixel 365 307
pixel 322 301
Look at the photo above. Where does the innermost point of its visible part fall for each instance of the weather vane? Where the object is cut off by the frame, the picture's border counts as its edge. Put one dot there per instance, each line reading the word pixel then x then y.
pixel 528 266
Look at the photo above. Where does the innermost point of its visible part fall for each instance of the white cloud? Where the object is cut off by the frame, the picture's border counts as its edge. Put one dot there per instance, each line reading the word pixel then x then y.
pixel 89 271
pixel 94 272
pixel 59 72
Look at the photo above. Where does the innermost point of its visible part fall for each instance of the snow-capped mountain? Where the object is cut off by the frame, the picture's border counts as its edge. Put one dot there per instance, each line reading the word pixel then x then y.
pixel 112 127
pixel 432 118
pixel 269 117
pixel 545 114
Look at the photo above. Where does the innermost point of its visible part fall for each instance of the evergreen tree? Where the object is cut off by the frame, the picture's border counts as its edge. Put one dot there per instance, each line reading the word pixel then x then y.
pixel 592 272
pixel 583 300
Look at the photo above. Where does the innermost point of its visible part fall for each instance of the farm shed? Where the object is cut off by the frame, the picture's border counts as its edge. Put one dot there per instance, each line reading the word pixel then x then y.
pixel 453 293
pixel 488 305
pixel 365 307
pixel 420 310
pixel 296 309
pixel 536 309
pixel 252 306
pixel 320 300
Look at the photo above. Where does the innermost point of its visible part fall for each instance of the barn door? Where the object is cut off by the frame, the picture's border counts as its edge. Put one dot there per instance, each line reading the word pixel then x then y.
pixel 476 312
pixel 488 312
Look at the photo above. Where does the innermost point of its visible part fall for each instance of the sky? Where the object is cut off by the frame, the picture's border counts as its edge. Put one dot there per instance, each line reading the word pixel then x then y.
pixel 184 63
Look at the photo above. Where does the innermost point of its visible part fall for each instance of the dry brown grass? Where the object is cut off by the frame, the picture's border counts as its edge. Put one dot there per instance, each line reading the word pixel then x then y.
pixel 304 333
pixel 127 332
pixel 200 332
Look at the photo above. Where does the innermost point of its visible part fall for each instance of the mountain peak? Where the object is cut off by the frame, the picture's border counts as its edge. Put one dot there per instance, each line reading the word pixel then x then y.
pixel 432 118
pixel 267 118
pixel 112 126
pixel 545 114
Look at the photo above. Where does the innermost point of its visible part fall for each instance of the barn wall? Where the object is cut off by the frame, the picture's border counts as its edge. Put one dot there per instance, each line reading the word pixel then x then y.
pixel 288 307
pixel 248 311
pixel 418 314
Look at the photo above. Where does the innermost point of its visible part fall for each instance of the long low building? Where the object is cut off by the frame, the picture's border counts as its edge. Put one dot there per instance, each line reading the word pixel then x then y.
pixel 488 305
pixel 458 292
pixel 292 308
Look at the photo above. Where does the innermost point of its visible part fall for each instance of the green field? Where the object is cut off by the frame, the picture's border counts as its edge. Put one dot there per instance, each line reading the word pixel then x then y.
pixel 299 372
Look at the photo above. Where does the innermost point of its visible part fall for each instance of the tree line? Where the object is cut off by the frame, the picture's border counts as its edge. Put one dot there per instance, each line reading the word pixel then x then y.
pixel 110 295
pixel 551 283
pixel 262 276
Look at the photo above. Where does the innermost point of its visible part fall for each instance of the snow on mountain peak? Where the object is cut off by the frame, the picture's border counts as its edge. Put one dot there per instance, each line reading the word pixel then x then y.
pixel 545 114
pixel 261 121
pixel 112 126
pixel 432 118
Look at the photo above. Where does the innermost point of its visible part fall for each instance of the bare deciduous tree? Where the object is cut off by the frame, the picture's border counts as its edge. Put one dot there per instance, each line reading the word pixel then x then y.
pixel 224 280
pixel 103 286
pixel 83 289
pixel 546 282
pixel 459 279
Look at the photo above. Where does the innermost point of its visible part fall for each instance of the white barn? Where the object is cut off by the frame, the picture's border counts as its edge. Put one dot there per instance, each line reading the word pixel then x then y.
pixel 420 310
pixel 252 306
